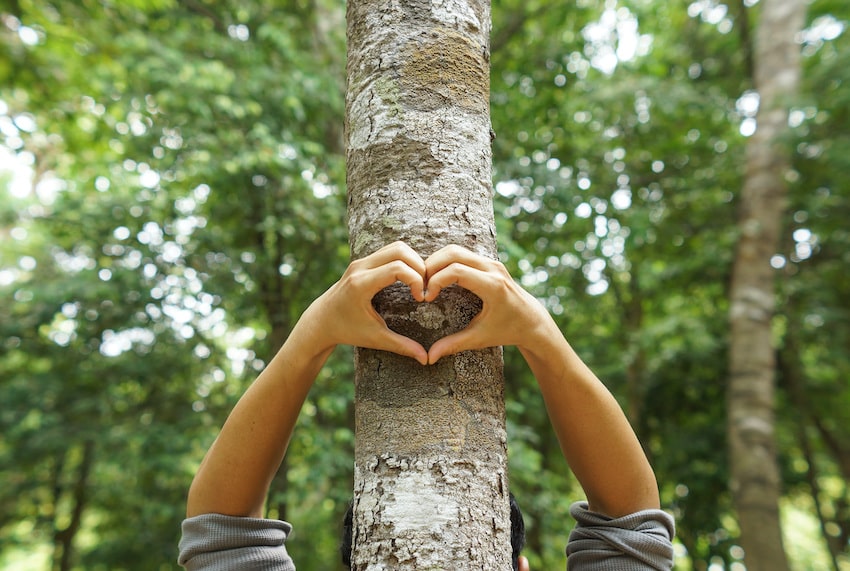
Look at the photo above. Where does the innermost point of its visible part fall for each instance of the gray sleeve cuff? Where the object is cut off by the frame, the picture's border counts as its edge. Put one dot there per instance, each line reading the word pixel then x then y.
pixel 641 541
pixel 215 542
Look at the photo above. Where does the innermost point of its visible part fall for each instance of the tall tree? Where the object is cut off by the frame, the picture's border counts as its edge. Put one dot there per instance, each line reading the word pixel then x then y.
pixel 755 478
pixel 431 484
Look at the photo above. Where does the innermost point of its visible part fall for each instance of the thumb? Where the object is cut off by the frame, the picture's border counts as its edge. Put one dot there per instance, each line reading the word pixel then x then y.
pixel 523 564
pixel 451 344
pixel 401 345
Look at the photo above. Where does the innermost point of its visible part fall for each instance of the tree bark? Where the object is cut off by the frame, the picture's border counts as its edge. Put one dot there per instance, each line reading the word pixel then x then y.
pixel 755 480
pixel 430 479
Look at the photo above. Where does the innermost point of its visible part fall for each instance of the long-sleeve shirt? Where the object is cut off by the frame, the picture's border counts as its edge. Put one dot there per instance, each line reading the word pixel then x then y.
pixel 640 541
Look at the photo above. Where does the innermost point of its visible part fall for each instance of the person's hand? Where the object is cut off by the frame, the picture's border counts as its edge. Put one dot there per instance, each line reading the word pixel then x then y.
pixel 344 314
pixel 509 316
pixel 523 564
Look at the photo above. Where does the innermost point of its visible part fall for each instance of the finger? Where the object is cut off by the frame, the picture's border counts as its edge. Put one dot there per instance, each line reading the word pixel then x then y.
pixel 523 564
pixel 374 280
pixel 395 251
pixel 475 280
pixel 452 254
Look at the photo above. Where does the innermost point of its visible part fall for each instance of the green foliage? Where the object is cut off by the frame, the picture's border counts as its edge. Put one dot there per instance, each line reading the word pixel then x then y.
pixel 184 202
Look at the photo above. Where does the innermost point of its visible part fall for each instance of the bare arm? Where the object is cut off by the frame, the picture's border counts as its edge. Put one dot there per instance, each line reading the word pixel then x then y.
pixel 235 474
pixel 595 436
pixel 596 439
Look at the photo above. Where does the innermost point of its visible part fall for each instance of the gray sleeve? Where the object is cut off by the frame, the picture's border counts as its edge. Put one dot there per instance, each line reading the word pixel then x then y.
pixel 215 542
pixel 641 541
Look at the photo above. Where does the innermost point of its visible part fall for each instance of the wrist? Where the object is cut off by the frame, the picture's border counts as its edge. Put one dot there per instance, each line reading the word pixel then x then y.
pixel 541 335
pixel 550 356
pixel 312 333
pixel 303 353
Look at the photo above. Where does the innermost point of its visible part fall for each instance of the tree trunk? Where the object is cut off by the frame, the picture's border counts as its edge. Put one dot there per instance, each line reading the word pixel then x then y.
pixel 793 377
pixel 63 539
pixel 755 479
pixel 430 476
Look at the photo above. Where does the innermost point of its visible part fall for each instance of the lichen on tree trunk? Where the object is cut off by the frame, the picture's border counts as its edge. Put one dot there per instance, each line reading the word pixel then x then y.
pixel 431 486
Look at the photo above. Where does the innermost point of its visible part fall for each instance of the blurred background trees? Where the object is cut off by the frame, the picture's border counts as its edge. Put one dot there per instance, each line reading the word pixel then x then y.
pixel 173 197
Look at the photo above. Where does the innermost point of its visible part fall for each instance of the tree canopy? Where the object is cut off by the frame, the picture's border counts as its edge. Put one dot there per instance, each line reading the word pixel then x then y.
pixel 173 196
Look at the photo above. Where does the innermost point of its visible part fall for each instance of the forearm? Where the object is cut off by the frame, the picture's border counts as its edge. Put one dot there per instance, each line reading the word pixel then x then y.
pixel 235 474
pixel 595 436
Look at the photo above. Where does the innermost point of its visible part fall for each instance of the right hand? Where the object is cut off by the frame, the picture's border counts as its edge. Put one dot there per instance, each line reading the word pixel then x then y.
pixel 509 316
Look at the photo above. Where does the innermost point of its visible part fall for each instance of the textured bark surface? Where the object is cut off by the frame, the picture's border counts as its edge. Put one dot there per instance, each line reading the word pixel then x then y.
pixel 755 478
pixel 430 453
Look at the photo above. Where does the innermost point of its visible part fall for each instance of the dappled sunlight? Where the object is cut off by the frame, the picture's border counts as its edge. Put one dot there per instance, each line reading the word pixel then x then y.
pixel 614 38
pixel 173 197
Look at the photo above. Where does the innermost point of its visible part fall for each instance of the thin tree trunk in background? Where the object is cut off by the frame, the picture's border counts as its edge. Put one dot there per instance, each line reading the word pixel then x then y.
pixel 792 372
pixel 273 297
pixel 755 479
pixel 430 476
pixel 63 539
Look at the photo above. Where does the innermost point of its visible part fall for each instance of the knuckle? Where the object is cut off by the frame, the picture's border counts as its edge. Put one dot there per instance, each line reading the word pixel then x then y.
pixel 398 246
pixel 354 281
pixel 398 267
